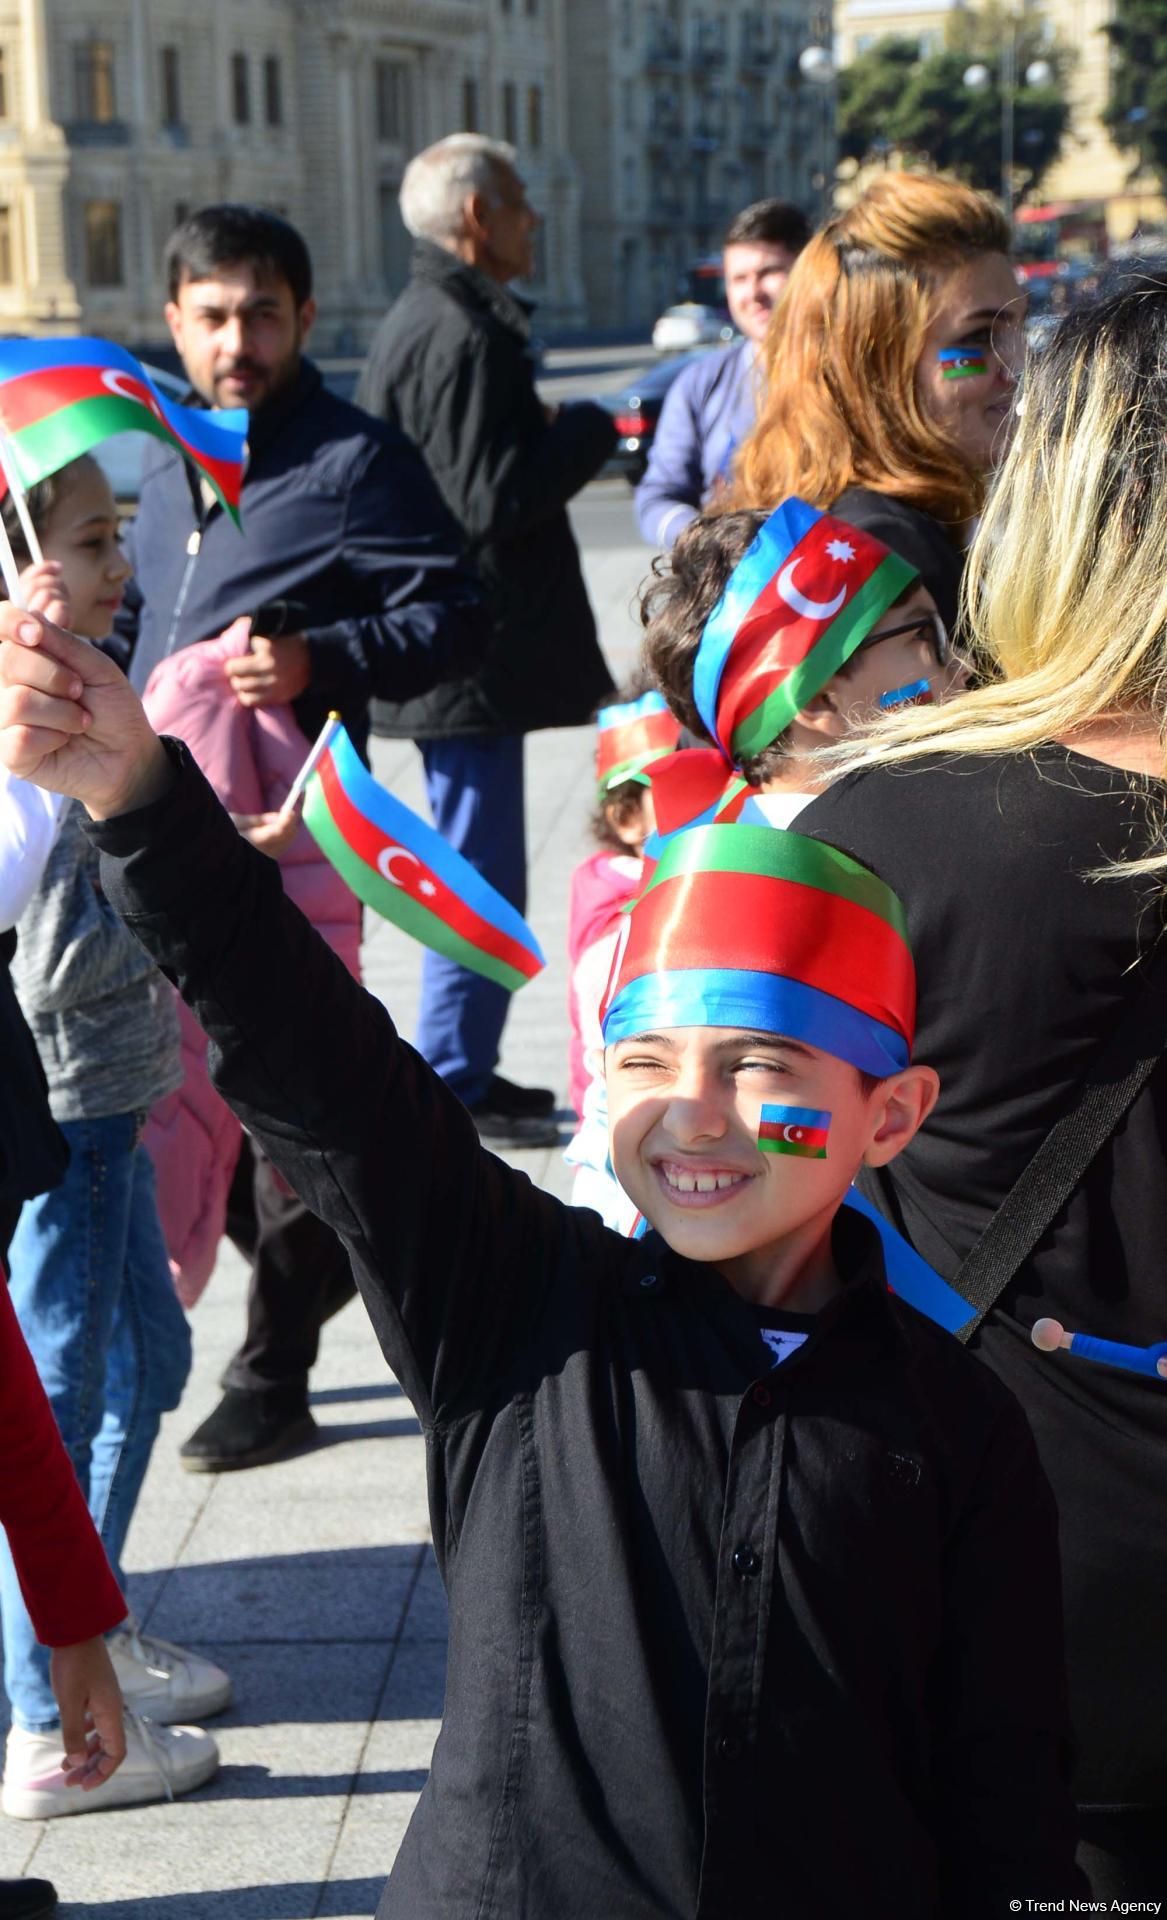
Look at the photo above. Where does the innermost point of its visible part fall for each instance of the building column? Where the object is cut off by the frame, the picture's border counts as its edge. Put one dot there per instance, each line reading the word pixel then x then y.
pixel 50 298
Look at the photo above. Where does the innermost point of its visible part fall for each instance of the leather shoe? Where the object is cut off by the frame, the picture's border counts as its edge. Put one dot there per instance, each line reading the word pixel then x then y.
pixel 520 1102
pixel 247 1430
pixel 27 1900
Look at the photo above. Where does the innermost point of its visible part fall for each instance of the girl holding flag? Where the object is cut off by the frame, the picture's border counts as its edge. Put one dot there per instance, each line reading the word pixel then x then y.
pixel 90 1279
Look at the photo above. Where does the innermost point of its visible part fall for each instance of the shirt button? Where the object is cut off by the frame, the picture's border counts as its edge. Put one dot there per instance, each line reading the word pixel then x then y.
pixel 747 1562
pixel 762 1396
pixel 649 1282
pixel 729 1747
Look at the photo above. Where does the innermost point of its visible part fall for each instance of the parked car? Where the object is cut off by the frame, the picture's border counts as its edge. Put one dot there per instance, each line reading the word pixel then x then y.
pixel 636 409
pixel 690 325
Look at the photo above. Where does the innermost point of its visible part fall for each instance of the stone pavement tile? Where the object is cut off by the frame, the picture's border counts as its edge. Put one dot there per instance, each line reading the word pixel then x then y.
pixel 428 1614
pixel 280 1596
pixel 305 1517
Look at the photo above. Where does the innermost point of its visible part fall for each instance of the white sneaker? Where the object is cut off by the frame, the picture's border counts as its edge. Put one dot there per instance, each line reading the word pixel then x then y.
pixel 160 1762
pixel 164 1682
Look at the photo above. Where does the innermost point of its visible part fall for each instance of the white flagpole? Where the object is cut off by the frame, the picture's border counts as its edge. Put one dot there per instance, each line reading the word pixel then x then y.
pixel 19 501
pixel 9 567
pixel 324 740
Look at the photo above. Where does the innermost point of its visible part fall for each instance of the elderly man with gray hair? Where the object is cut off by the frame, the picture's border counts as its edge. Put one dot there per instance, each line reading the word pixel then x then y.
pixel 452 367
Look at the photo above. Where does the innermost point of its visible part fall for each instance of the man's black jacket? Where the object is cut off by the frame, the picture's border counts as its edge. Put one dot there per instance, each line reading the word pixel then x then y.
pixel 341 521
pixel 723 1641
pixel 451 366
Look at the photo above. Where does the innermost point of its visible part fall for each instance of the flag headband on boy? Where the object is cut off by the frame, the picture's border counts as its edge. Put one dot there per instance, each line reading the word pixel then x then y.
pixel 631 735
pixel 744 926
pixel 804 595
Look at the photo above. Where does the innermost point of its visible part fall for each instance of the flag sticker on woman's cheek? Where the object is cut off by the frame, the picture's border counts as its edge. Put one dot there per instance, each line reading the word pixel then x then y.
pixel 799 1130
pixel 960 363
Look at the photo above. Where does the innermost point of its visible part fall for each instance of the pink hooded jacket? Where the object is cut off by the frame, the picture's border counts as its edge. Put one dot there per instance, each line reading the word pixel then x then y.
pixel 250 755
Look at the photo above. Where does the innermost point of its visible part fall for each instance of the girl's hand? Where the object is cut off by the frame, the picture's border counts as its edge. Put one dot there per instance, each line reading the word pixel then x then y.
pixel 92 1714
pixel 70 720
pixel 44 590
pixel 272 833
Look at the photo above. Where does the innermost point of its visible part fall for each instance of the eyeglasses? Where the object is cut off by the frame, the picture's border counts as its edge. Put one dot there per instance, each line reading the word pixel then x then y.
pixel 926 626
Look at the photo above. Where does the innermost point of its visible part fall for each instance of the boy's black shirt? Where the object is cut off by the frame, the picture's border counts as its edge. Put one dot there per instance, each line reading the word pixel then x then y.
pixel 724 1641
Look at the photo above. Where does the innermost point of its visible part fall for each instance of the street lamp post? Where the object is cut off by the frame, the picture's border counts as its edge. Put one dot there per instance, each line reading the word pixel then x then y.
pixel 1038 73
pixel 816 66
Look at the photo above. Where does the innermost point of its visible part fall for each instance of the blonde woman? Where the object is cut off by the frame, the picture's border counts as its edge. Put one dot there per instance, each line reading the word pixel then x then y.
pixel 1024 826
pixel 890 369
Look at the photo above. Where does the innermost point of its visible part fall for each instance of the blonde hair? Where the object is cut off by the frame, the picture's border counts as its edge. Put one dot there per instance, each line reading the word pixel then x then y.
pixel 840 406
pixel 1065 593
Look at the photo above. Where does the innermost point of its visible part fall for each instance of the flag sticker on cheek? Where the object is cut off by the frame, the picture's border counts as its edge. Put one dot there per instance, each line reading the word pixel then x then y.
pixel 799 1130
pixel 917 693
pixel 961 363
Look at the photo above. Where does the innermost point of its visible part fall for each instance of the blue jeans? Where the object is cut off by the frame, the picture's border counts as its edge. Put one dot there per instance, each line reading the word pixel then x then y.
pixel 91 1285
pixel 475 788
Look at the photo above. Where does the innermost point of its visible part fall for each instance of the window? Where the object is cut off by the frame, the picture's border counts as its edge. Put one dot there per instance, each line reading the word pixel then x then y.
pixel 510 113
pixel 534 118
pixel 103 243
pixel 181 212
pixel 392 85
pixel 240 90
pixel 170 87
pixel 470 106
pixel 628 96
pixel 396 244
pixel 532 7
pixel 93 76
pixel 3 83
pixel 273 91
pixel 7 274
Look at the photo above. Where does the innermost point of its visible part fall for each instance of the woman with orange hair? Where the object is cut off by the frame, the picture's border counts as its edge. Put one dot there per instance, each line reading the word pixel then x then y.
pixel 891 365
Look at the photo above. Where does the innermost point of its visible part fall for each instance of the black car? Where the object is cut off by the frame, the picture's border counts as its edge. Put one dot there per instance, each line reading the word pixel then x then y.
pixel 636 410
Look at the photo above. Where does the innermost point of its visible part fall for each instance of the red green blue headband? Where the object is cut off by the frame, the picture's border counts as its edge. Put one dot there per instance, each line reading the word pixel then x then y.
pixel 631 736
pixel 805 593
pixel 744 926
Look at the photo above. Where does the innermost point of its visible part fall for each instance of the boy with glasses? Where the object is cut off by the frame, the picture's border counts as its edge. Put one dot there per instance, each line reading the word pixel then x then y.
pixel 773 636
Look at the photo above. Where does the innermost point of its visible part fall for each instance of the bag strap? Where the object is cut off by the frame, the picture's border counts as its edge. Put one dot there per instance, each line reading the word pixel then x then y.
pixel 1115 1075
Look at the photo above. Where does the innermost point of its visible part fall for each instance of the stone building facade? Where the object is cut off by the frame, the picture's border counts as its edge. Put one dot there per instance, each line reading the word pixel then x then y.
pixel 680 113
pixel 118 116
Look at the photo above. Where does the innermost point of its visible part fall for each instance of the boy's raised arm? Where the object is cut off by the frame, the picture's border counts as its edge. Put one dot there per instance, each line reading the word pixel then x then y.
pixel 448 1244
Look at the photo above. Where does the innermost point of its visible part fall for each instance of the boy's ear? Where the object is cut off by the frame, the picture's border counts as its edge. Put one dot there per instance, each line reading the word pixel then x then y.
pixel 824 714
pixel 902 1105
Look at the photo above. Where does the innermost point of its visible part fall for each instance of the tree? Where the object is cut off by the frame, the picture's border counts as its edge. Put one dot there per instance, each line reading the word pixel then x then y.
pixel 1137 113
pixel 891 99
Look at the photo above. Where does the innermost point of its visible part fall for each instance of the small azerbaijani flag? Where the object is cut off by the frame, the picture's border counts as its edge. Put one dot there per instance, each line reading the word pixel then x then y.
pixel 402 868
pixel 59 398
pixel 631 736
pixel 798 1130
pixel 959 363
pixel 804 594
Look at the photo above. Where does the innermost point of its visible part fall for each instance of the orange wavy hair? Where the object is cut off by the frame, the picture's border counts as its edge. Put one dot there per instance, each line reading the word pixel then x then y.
pixel 840 406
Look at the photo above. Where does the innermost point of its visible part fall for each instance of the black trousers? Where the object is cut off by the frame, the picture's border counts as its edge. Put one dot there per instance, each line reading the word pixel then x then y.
pixel 1124 1855
pixel 300 1276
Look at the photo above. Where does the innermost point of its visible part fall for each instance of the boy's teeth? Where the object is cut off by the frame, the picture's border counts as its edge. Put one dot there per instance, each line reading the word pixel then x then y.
pixel 700 1182
pixel 707 1183
pixel 682 1182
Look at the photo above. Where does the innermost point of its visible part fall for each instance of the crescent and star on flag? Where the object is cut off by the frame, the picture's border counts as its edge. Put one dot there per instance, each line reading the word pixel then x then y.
pixel 423 881
pixel 840 551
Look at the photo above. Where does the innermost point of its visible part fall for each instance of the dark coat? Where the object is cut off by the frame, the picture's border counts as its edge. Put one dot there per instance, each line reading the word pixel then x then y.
pixel 33 1154
pixel 726 1641
pixel 342 523
pixel 451 366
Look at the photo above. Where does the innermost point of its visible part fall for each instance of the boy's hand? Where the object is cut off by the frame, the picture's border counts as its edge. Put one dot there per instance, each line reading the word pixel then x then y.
pixel 273 673
pixel 272 833
pixel 92 1716
pixel 70 720
pixel 44 590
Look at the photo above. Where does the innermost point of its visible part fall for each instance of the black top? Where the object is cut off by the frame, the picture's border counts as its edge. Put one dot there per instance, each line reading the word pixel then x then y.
pixel 451 365
pixel 916 537
pixel 1022 963
pixel 709 1621
pixel 33 1154
pixel 342 523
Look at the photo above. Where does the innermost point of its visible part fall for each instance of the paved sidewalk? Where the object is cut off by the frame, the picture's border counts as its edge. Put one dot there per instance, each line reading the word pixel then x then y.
pixel 312 1580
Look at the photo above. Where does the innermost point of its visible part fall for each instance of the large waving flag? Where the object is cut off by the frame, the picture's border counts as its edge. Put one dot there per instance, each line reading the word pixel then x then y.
pixel 59 398
pixel 402 868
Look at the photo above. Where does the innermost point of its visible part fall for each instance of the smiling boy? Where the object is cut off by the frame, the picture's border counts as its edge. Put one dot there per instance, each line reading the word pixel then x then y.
pixel 752 1572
